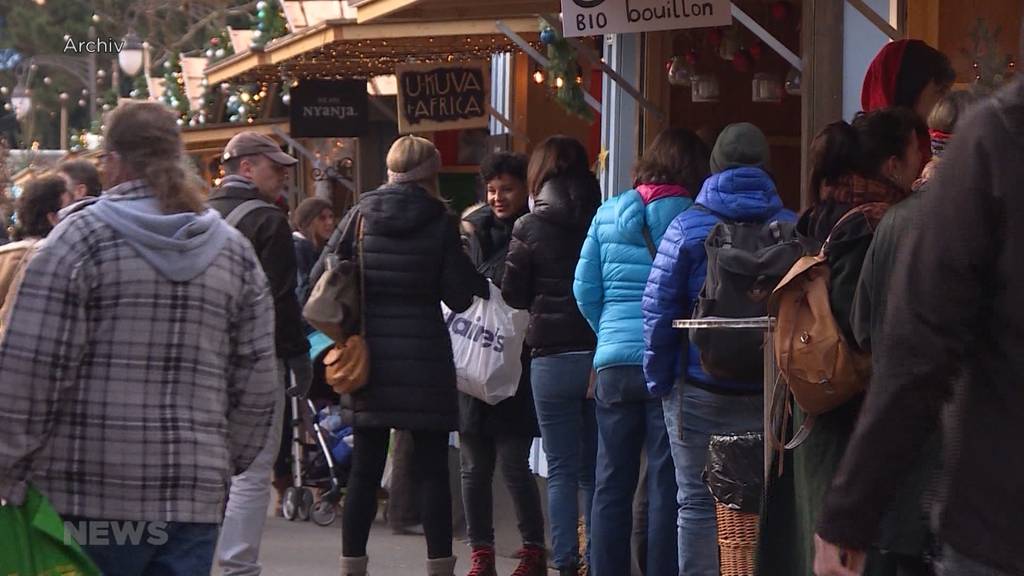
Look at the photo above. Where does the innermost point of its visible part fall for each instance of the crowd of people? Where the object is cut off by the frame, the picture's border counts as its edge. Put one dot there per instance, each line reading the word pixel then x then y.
pixel 152 333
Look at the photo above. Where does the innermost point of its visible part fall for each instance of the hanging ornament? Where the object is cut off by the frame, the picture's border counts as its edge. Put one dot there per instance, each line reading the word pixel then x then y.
pixel 742 61
pixel 715 37
pixel 215 41
pixel 766 88
pixel 548 36
pixel 705 88
pixel 679 72
pixel 730 46
pixel 781 11
pixel 219 53
pixel 794 81
pixel 261 5
pixel 692 57
pixel 757 50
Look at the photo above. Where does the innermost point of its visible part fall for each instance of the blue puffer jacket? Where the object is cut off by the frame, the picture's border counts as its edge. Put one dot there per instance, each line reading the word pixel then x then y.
pixel 613 270
pixel 741 195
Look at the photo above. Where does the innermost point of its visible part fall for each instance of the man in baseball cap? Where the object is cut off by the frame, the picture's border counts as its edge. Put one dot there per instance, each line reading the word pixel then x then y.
pixel 247 198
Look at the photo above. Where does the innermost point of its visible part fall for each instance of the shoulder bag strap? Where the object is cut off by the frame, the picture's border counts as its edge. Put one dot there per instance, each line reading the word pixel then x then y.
pixel 244 209
pixel 362 274
pixel 649 241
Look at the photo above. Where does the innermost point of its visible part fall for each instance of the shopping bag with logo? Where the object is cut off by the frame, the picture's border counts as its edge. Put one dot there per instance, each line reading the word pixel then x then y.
pixel 33 541
pixel 487 342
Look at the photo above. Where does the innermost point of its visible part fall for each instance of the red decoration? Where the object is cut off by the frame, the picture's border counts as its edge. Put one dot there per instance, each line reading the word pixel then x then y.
pixel 692 58
pixel 757 50
pixel 742 61
pixel 715 37
pixel 214 41
pixel 780 11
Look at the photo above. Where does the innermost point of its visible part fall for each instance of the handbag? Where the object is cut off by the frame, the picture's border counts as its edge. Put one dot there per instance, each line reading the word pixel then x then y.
pixel 334 303
pixel 347 365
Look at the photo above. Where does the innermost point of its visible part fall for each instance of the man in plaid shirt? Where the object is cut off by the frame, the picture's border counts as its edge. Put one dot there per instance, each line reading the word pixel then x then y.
pixel 138 363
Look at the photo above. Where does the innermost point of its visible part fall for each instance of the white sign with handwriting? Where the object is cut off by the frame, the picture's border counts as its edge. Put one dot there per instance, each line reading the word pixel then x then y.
pixel 593 17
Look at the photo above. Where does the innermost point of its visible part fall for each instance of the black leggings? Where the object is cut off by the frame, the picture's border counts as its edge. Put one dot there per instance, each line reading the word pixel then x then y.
pixel 430 461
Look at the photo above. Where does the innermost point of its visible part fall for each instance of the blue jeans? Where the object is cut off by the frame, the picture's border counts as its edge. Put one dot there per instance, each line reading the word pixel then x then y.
pixel 629 420
pixel 162 548
pixel 692 416
pixel 569 434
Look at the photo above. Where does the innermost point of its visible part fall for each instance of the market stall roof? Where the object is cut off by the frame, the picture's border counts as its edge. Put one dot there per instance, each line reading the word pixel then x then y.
pixel 345 49
pixel 215 136
pixel 413 10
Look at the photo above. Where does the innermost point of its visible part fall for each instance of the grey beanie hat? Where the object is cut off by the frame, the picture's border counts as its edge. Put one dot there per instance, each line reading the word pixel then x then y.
pixel 740 145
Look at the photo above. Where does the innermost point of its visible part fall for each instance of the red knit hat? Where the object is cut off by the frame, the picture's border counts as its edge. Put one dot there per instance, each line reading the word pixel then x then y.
pixel 879 90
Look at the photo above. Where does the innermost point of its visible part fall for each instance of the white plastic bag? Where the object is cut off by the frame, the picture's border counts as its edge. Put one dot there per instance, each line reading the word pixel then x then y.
pixel 487 343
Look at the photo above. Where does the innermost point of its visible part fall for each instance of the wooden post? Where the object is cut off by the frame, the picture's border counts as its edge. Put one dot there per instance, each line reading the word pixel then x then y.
pixel 657 49
pixel 822 76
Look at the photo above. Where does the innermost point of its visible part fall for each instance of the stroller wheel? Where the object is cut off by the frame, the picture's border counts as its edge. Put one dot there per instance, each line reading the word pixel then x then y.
pixel 305 504
pixel 290 506
pixel 324 513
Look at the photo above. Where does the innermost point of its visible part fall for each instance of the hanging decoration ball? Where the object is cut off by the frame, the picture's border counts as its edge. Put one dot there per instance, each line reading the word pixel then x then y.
pixel 286 99
pixel 81 103
pixel 757 50
pixel 47 80
pixel 95 17
pixel 3 90
pixel 219 53
pixel 167 65
pixel 679 72
pixel 257 33
pixel 742 61
pixel 209 53
pixel 7 107
pixel 106 107
pixel 548 36
pixel 85 91
pixel 181 122
pixel 794 81
pixel 715 37
pixel 262 14
pixel 692 58
pixel 215 41
pixel 780 11
pixel 261 5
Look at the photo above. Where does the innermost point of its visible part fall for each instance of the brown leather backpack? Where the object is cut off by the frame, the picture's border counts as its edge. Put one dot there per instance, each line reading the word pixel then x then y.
pixel 816 366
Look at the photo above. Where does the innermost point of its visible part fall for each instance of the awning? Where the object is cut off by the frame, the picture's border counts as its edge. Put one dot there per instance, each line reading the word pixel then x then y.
pixel 413 10
pixel 345 49
pixel 213 137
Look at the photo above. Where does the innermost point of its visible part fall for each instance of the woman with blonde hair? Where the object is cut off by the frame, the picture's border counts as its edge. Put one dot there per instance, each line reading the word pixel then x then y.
pixel 413 260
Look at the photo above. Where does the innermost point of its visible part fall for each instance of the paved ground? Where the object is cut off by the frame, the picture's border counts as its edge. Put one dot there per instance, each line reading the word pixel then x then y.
pixel 305 549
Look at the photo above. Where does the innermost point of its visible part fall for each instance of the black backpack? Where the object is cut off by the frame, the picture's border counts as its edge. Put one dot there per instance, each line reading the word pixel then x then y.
pixel 746 261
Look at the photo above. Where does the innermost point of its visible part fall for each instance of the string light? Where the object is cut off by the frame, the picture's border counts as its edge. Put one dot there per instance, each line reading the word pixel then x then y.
pixel 538 76
pixel 559 82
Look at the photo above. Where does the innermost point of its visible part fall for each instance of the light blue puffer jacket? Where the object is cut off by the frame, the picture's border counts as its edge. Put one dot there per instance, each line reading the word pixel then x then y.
pixel 613 270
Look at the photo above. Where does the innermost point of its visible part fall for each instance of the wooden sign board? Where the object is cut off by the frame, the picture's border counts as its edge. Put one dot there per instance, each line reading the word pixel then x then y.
pixel 594 17
pixel 434 97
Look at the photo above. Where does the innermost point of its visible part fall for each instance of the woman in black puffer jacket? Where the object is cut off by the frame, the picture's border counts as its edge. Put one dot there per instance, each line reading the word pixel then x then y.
pixel 413 260
pixel 539 274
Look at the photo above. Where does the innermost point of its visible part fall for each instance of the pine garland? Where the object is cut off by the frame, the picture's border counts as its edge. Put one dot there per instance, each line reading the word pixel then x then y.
pixel 270 23
pixel 174 86
pixel 564 76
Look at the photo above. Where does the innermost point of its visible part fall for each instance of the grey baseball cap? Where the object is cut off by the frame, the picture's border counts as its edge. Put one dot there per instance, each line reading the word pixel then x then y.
pixel 252 144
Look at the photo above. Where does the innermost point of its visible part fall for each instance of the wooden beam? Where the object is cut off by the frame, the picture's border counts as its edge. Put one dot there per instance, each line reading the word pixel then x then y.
pixel 369 11
pixel 657 49
pixel 766 37
pixel 822 80
pixel 218 135
pixel 876 19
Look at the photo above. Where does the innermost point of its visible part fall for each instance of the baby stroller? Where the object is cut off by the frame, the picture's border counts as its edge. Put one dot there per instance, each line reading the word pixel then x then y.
pixel 320 452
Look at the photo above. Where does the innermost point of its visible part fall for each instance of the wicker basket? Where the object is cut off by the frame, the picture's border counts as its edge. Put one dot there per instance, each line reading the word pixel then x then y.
pixel 737 541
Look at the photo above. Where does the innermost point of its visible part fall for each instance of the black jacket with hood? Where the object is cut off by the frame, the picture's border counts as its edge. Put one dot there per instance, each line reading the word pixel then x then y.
pixel 541 265
pixel 271 237
pixel 413 260
pixel 487 239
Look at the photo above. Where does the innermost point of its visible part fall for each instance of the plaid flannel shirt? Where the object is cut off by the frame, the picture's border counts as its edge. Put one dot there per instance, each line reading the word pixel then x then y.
pixel 126 396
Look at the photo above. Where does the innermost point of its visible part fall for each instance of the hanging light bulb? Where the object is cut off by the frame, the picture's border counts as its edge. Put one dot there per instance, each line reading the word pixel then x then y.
pixel 559 82
pixel 538 76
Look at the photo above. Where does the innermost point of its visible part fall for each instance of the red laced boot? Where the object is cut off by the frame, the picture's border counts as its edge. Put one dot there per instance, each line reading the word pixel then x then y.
pixel 533 561
pixel 482 562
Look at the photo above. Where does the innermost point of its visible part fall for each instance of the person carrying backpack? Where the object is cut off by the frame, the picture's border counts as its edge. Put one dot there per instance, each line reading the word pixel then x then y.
pixel 859 172
pixel 696 404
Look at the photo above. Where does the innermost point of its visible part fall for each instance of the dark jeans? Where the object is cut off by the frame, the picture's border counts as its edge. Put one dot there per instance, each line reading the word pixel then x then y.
pixel 479 455
pixel 145 548
pixel 430 460
pixel 630 421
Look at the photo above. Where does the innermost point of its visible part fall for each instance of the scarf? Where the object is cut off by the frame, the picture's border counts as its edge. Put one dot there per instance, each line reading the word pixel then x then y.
pixel 940 140
pixel 651 192
pixel 856 190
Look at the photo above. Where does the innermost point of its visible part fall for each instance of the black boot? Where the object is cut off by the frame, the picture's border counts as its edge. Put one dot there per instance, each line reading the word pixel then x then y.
pixel 571 571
